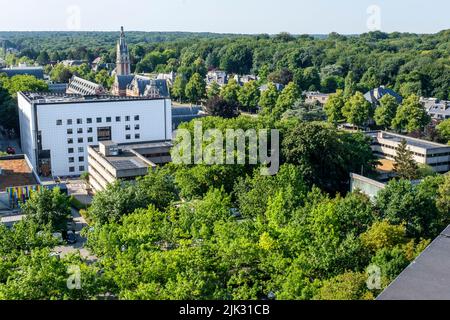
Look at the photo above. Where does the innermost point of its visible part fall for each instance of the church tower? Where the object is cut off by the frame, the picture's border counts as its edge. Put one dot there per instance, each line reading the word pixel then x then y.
pixel 123 64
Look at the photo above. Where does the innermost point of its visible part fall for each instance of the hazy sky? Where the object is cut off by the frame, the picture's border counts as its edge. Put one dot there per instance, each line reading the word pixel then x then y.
pixel 227 16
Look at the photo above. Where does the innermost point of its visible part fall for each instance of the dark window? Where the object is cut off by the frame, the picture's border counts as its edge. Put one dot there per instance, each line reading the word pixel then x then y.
pixel 81 168
pixel 108 119
pixel 69 131
pixel 137 127
pixel 89 130
pixel 127 127
pixel 80 140
pixel 89 120
pixel 70 141
pixel 80 149
pixel 99 120
pixel 117 119
pixel 70 150
pixel 59 122
pixel 81 159
pixel 79 121
pixel 90 139
pixel 137 136
pixel 71 169
pixel 69 121
pixel 80 130
pixel 136 118
pixel 104 134
pixel 71 160
pixel 128 136
pixel 127 118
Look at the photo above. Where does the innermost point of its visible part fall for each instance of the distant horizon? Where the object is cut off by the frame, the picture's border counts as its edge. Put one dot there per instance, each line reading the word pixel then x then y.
pixel 321 17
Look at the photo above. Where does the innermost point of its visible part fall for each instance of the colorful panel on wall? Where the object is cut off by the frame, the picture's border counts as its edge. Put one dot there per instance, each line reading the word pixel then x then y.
pixel 21 194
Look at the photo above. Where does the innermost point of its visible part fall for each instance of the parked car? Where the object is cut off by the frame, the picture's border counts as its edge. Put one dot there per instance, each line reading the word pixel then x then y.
pixel 10 150
pixel 71 238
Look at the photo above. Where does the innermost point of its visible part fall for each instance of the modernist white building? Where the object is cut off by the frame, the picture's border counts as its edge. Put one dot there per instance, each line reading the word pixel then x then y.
pixel 56 129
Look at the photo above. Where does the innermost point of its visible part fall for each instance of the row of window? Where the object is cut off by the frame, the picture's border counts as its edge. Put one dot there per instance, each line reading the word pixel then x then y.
pixel 396 148
pixel 72 150
pixel 438 155
pixel 72 159
pixel 69 122
pixel 136 136
pixel 80 168
pixel 90 130
pixel 80 140
pixel 440 164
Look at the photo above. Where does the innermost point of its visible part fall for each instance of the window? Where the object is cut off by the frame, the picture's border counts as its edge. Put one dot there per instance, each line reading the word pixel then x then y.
pixel 81 159
pixel 104 134
pixel 137 136
pixel 69 131
pixel 59 122
pixel 71 169
pixel 127 118
pixel 79 121
pixel 90 139
pixel 70 150
pixel 70 141
pixel 81 168
pixel 137 127
pixel 89 120
pixel 117 119
pixel 99 120
pixel 127 127
pixel 69 122
pixel 108 119
pixel 80 140
pixel 71 160
pixel 89 130
pixel 136 118
pixel 80 149
pixel 80 130
pixel 128 136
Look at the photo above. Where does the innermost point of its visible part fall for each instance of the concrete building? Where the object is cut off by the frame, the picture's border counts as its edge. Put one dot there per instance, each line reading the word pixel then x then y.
pixel 37 72
pixel 316 97
pixel 374 95
pixel 56 129
pixel 436 155
pixel 217 76
pixel 110 161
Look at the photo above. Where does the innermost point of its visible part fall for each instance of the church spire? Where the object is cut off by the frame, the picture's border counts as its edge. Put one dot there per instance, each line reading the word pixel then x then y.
pixel 123 64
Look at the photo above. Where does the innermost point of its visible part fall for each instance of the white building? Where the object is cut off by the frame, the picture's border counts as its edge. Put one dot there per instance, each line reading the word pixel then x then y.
pixel 56 129
pixel 436 155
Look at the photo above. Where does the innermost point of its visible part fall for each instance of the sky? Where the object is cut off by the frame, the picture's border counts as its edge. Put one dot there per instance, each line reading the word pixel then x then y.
pixel 227 16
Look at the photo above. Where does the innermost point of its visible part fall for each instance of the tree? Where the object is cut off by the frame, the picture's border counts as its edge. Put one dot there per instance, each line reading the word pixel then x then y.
pixel 213 90
pixel 219 107
pixel 346 286
pixel 411 116
pixel 286 99
pixel 230 92
pixel 333 107
pixel 179 88
pixel 103 78
pixel 386 111
pixel 48 208
pixel 269 98
pixel 404 164
pixel 350 85
pixel 43 58
pixel 195 88
pixel 237 58
pixel 444 129
pixel 357 110
pixel 249 96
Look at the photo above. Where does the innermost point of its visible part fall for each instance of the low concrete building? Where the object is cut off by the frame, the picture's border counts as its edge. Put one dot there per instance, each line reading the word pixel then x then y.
pixel 315 96
pixel 366 185
pixel 109 161
pixel 436 109
pixel 436 155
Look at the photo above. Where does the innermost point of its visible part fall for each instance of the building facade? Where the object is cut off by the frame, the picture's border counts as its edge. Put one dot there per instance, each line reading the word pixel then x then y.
pixel 436 155
pixel 56 130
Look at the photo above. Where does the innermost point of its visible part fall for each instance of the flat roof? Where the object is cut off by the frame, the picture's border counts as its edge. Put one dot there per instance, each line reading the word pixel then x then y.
pixel 63 98
pixel 427 277
pixel 424 144
pixel 15 173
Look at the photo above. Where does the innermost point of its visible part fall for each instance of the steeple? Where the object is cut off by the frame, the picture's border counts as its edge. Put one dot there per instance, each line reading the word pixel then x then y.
pixel 123 64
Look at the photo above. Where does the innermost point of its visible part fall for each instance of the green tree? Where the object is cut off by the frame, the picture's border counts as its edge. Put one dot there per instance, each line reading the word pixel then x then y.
pixel 195 89
pixel 411 116
pixel 444 129
pixel 230 92
pixel 249 96
pixel 333 107
pixel 179 88
pixel 269 98
pixel 213 90
pixel 350 85
pixel 404 164
pixel 386 111
pixel 286 99
pixel 357 110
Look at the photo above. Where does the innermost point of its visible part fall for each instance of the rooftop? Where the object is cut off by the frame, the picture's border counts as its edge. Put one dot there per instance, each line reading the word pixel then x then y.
pixel 15 172
pixel 61 98
pixel 426 278
pixel 424 144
